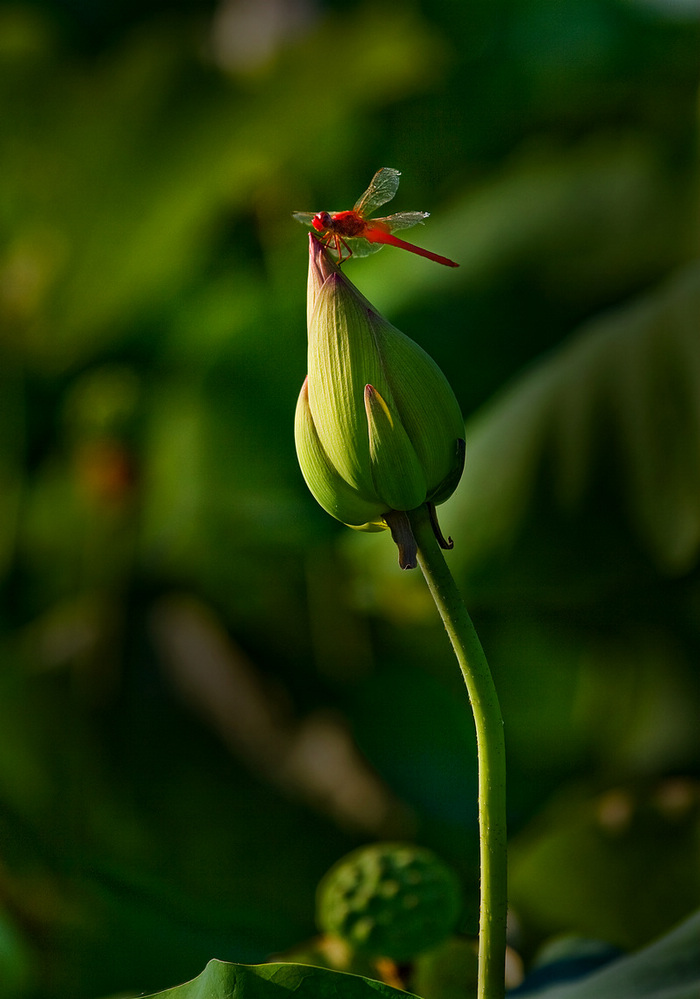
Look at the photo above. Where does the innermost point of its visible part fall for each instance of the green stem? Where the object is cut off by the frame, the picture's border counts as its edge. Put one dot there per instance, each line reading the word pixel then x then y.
pixel 491 752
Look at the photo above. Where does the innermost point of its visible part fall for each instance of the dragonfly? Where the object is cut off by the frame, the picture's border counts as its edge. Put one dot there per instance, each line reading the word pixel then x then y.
pixel 354 232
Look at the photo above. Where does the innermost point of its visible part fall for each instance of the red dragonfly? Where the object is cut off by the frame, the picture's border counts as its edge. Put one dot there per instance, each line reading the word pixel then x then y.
pixel 354 232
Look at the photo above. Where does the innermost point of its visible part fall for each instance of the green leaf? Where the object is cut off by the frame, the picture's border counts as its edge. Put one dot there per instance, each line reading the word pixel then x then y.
pixel 669 968
pixel 580 866
pixel 614 413
pixel 221 980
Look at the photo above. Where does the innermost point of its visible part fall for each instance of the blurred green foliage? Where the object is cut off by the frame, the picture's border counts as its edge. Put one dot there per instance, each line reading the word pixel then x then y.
pixel 209 690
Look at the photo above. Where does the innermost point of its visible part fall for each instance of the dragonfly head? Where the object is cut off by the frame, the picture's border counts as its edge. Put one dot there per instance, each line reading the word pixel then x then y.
pixel 321 222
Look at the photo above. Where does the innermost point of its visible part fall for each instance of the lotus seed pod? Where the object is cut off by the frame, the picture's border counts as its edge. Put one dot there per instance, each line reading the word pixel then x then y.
pixel 389 900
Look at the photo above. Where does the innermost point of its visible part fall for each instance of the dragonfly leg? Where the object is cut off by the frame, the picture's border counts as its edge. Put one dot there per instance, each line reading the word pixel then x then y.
pixel 336 242
pixel 339 241
pixel 331 242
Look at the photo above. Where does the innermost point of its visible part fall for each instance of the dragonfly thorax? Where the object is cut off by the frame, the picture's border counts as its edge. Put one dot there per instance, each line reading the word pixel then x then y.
pixel 344 224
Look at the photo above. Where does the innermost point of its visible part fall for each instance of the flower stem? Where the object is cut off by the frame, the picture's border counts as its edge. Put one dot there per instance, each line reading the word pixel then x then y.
pixel 491 752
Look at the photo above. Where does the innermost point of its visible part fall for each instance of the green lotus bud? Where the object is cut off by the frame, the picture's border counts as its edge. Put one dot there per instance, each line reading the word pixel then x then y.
pixel 378 428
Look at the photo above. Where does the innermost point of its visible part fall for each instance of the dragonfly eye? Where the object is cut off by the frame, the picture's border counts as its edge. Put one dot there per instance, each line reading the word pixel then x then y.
pixel 321 221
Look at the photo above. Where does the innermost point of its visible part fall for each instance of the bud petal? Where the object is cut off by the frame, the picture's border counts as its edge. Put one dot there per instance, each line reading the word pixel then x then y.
pixel 320 267
pixel 330 491
pixel 396 472
pixel 448 485
pixel 343 359
pixel 422 395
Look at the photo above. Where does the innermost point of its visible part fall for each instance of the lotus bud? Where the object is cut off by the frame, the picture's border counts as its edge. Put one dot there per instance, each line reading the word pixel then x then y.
pixel 378 429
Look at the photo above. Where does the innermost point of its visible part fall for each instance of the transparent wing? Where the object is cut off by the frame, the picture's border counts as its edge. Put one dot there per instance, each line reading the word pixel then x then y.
pixel 362 247
pixel 306 218
pixel 382 188
pixel 403 220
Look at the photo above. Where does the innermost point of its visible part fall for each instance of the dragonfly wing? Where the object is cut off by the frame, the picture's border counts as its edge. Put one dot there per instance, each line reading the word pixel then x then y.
pixel 382 188
pixel 306 218
pixel 403 220
pixel 362 247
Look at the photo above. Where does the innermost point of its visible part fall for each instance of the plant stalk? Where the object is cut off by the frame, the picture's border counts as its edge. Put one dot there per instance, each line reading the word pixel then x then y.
pixel 491 755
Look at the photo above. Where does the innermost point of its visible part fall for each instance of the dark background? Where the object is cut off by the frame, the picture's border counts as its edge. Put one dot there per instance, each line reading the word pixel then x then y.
pixel 209 690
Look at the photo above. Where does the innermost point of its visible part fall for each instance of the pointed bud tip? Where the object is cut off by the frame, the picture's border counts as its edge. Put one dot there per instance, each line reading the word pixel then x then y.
pixel 374 398
pixel 320 259
pixel 335 279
